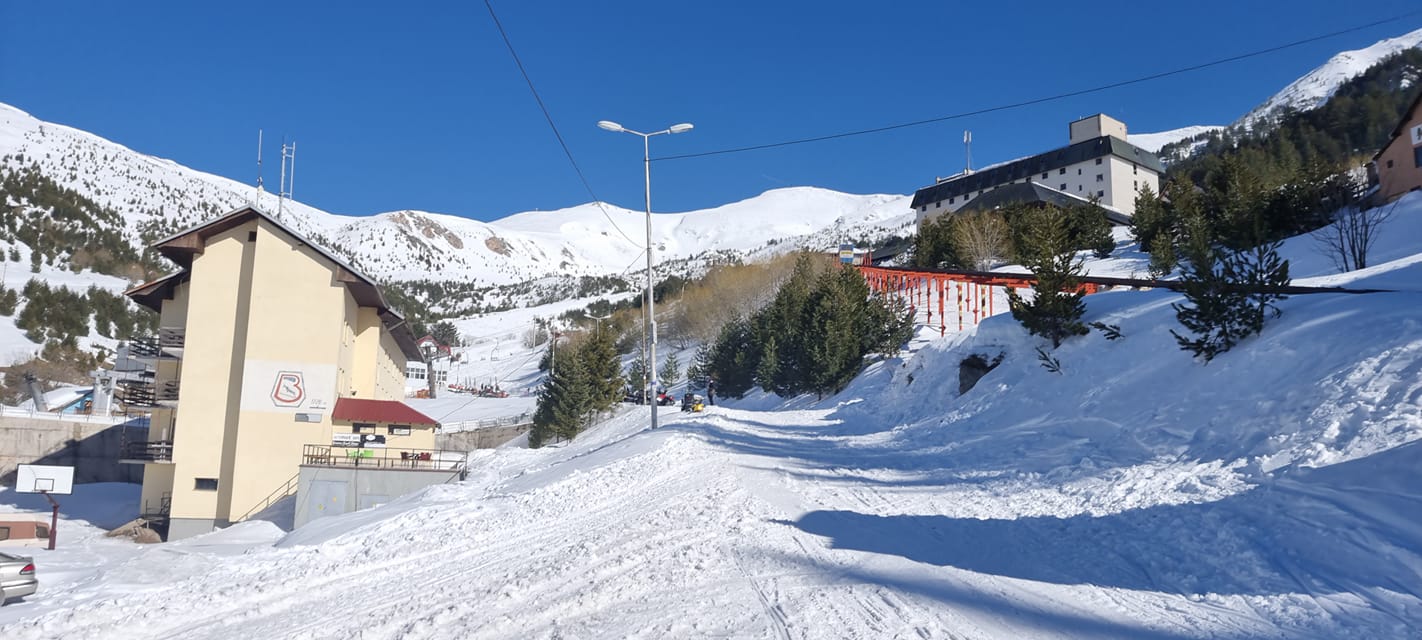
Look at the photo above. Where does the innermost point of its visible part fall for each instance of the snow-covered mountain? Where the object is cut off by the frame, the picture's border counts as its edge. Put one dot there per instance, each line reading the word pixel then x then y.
pixel 1316 87
pixel 590 239
pixel 1152 142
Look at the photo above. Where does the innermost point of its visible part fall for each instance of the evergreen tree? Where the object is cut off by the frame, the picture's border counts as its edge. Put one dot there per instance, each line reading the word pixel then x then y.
pixel 563 402
pixel 598 355
pixel 699 373
pixel 637 374
pixel 670 373
pixel 735 359
pixel 1229 294
pixel 1056 308
pixel 933 247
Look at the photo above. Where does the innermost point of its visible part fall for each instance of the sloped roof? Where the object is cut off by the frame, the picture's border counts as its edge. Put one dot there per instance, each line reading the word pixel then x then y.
pixel 1030 192
pixel 1032 166
pixel 1407 116
pixel 382 411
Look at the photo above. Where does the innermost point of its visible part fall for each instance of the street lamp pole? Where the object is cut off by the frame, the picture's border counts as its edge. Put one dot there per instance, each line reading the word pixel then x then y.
pixel 650 322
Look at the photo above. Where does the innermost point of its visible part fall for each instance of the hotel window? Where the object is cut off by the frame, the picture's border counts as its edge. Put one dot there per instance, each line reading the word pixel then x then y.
pixel 1098 161
pixel 1063 186
pixel 363 427
pixel 204 484
pixel 1133 168
pixel 1044 176
pixel 1061 171
pixel 1101 194
pixel 1389 164
pixel 950 200
pixel 1417 156
pixel 1100 178
pixel 1078 171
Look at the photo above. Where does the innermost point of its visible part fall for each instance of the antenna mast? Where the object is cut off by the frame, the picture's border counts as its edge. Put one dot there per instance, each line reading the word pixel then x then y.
pixel 288 181
pixel 257 201
pixel 968 147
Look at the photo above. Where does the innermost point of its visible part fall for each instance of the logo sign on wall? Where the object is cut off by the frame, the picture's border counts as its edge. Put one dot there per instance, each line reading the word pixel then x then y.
pixel 282 387
pixel 290 389
pixel 1417 135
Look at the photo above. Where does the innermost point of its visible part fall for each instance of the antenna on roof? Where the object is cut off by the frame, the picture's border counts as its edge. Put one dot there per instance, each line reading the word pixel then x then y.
pixel 257 199
pixel 288 181
pixel 968 147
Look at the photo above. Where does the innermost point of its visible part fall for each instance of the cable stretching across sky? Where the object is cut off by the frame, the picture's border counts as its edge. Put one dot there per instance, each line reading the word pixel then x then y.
pixel 1051 98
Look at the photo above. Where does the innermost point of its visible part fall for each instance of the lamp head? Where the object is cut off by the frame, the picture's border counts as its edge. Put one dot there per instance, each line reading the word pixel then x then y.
pixel 680 128
pixel 610 126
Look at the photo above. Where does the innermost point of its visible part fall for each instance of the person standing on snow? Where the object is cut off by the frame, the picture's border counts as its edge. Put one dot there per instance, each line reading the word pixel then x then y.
pixel 711 392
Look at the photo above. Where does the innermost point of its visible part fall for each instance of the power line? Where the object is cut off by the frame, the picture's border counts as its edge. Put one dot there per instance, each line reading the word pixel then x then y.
pixel 547 116
pixel 1060 96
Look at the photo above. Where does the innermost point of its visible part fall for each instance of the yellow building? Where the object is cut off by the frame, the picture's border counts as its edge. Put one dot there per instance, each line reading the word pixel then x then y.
pixel 265 340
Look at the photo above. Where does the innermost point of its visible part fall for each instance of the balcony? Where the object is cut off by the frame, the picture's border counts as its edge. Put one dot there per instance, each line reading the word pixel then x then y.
pixel 167 345
pixel 147 452
pixel 324 455
pixel 144 393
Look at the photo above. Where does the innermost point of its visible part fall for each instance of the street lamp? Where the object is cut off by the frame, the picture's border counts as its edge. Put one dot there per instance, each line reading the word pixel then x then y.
pixel 650 320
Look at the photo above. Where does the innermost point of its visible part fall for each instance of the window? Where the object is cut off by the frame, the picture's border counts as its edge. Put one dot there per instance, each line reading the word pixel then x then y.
pixel 1417 156
pixel 399 430
pixel 204 484
pixel 950 200
pixel 1100 178
pixel 4 533
pixel 251 236
pixel 1078 187
pixel 414 373
pixel 1044 176
pixel 1101 194
pixel 1098 161
pixel 939 205
pixel 1061 171
pixel 1078 171
pixel 363 427
pixel 1134 167
pixel 1389 164
pixel 42 531
pixel 1063 186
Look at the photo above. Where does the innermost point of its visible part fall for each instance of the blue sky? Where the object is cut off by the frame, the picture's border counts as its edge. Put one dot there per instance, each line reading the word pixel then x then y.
pixel 418 105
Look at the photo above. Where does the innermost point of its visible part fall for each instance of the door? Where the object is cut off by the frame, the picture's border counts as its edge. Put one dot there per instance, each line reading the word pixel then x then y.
pixel 328 498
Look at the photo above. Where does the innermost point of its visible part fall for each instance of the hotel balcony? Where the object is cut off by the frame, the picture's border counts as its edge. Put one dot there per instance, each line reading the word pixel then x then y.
pixel 167 345
pixel 140 452
pixel 142 393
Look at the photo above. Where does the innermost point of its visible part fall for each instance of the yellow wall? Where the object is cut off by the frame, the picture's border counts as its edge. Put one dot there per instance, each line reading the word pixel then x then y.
pixel 253 311
pixel 206 413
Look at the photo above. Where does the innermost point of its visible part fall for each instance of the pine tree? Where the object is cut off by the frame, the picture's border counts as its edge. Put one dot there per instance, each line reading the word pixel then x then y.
pixel 699 373
pixel 670 373
pixel 1056 308
pixel 734 359
pixel 1229 294
pixel 598 355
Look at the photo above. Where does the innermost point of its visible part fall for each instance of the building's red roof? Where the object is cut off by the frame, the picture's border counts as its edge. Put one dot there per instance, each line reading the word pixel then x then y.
pixel 388 411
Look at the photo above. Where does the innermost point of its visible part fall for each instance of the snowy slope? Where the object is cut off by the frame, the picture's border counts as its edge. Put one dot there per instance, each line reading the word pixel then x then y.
pixel 1269 494
pixel 1317 86
pixel 1152 142
pixel 411 245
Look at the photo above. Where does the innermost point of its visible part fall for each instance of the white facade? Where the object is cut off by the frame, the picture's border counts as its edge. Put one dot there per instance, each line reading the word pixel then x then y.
pixel 1112 179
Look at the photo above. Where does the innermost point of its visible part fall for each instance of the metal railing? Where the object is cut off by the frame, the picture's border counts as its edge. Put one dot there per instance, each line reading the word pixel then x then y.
pixel 116 418
pixel 487 423
pixel 168 343
pixel 281 492
pixel 151 451
pixel 325 455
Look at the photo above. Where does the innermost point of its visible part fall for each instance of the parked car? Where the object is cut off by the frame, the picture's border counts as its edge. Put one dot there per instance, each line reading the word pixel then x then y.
pixel 17 577
pixel 24 530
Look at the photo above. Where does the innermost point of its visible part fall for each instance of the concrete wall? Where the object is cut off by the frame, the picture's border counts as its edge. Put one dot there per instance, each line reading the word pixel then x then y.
pixel 347 489
pixel 92 448
pixel 487 438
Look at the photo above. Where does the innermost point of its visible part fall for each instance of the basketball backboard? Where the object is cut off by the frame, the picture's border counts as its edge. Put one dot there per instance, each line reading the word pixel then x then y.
pixel 38 478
